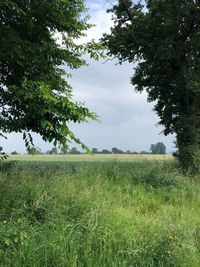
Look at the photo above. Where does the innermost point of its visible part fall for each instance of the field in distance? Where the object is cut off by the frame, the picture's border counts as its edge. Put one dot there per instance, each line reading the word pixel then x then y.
pixel 87 157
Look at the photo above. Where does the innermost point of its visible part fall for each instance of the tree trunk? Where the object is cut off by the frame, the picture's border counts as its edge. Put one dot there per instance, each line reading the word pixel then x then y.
pixel 188 143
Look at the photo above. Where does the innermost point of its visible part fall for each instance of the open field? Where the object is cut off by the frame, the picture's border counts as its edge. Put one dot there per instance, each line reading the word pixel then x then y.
pixel 86 157
pixel 86 213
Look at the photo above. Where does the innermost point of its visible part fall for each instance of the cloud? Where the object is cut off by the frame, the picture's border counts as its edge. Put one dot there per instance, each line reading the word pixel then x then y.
pixel 100 18
pixel 127 120
pixel 107 90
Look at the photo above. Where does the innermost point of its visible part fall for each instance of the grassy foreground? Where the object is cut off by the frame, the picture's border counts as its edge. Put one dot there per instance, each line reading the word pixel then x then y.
pixel 115 213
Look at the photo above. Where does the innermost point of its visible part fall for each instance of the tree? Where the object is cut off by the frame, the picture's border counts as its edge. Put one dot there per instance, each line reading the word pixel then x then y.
pixel 144 152
pixel 37 38
pixel 106 151
pixel 54 150
pixel 158 148
pixel 34 150
pixel 153 149
pixel 64 150
pixel 115 150
pixel 14 153
pixel 95 150
pixel 74 150
pixel 163 39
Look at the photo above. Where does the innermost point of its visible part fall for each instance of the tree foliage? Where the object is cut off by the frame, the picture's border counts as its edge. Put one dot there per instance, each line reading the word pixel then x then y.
pixel 37 39
pixel 162 38
pixel 54 150
pixel 64 150
pixel 158 148
pixel 74 150
pixel 32 151
pixel 95 150
pixel 106 151
pixel 115 150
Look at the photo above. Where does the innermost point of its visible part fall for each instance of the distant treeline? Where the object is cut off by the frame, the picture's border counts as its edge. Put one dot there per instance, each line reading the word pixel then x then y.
pixel 158 148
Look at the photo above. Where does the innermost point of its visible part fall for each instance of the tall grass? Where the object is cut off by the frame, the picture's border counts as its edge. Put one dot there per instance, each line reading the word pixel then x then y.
pixel 98 214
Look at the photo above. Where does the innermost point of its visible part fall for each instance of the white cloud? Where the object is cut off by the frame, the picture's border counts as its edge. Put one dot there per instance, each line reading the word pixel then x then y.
pixel 100 18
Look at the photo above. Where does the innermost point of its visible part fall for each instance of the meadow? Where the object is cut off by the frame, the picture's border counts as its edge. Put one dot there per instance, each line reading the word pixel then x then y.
pixel 101 211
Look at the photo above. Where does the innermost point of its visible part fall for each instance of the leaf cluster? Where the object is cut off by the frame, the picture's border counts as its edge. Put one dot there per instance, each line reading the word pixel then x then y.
pixel 38 43
pixel 162 38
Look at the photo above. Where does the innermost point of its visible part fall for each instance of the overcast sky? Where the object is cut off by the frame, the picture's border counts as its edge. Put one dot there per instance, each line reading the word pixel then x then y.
pixel 127 120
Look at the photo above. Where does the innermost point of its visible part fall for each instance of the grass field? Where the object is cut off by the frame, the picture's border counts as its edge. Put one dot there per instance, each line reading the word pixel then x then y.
pixel 87 157
pixel 76 211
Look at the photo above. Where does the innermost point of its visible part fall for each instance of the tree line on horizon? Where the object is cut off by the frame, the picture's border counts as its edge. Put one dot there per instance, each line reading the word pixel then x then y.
pixel 158 148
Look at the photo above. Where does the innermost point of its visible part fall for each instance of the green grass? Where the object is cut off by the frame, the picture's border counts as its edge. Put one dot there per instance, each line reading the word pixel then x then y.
pixel 82 213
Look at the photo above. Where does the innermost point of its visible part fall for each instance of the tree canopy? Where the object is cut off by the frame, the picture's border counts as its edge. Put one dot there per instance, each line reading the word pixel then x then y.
pixel 158 148
pixel 38 38
pixel 162 39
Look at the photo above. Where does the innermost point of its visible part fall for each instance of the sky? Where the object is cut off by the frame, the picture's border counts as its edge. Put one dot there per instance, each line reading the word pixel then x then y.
pixel 127 121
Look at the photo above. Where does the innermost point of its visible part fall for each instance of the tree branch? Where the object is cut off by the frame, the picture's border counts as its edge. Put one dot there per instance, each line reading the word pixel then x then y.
pixel 109 59
pixel 110 3
pixel 127 10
